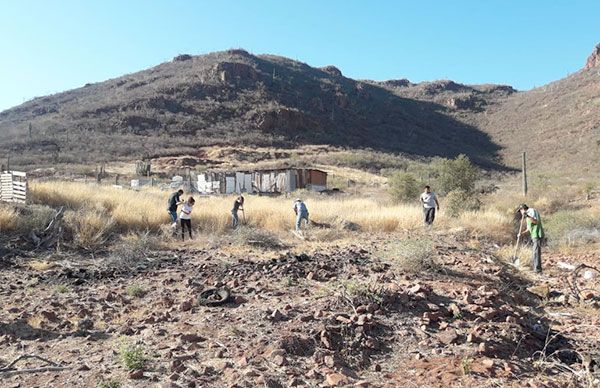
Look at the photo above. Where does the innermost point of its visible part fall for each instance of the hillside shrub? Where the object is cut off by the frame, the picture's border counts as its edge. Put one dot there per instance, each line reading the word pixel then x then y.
pixel 459 201
pixel 456 174
pixel 404 187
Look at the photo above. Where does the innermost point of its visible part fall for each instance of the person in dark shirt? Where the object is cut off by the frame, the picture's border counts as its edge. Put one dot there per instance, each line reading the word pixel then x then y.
pixel 174 201
pixel 238 204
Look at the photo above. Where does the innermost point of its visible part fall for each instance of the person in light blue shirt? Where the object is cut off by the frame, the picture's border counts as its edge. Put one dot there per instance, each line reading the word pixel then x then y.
pixel 301 213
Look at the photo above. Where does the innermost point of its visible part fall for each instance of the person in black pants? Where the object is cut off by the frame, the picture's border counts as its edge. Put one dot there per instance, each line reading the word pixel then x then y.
pixel 186 217
pixel 430 204
pixel 238 204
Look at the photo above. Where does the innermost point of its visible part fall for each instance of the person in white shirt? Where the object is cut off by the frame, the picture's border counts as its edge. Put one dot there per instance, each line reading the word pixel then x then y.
pixel 430 203
pixel 186 217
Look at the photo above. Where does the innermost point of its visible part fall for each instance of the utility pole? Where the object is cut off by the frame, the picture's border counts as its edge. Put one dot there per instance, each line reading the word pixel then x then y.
pixel 524 171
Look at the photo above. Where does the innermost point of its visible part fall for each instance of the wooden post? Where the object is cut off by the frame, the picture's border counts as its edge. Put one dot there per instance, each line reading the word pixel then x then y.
pixel 524 171
pixel 117 179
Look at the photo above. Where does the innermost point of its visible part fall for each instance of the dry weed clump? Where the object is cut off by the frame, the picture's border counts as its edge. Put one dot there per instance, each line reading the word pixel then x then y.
pixel 493 224
pixel 91 230
pixel 256 237
pixel 410 255
pixel 19 219
pixel 8 215
pixel 133 247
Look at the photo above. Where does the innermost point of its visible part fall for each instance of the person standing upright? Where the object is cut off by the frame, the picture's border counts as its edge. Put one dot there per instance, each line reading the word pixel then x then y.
pixel 174 201
pixel 238 204
pixel 536 231
pixel 186 217
pixel 430 203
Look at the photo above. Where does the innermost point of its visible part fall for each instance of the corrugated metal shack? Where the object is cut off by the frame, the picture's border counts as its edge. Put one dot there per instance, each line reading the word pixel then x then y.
pixel 276 181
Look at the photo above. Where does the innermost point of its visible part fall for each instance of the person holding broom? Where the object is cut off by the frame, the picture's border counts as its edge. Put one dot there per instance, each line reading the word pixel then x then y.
pixel 238 204
pixel 536 231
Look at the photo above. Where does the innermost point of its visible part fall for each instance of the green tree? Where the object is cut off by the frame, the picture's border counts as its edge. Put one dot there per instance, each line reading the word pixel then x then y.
pixel 404 187
pixel 457 174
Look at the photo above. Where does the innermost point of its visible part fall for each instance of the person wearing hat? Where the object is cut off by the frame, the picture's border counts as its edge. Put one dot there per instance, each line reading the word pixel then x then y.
pixel 301 212
pixel 536 231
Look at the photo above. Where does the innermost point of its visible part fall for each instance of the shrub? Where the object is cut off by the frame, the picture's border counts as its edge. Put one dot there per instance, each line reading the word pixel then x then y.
pixel 91 229
pixel 588 189
pixel 134 247
pixel 362 293
pixel 136 291
pixel 404 187
pixel 133 356
pixel 571 228
pixel 410 255
pixel 456 174
pixel 458 201
pixel 109 384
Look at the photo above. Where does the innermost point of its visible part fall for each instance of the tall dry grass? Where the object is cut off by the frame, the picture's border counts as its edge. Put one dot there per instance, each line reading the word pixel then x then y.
pixel 146 209
pixel 95 213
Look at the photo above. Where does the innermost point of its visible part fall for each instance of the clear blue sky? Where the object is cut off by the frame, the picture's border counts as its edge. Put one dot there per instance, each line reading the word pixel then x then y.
pixel 50 46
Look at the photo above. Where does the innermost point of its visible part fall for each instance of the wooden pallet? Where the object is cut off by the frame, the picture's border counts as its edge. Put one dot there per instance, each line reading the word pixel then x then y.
pixel 13 186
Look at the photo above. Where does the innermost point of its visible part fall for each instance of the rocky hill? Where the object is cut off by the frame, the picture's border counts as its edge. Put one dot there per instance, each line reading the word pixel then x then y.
pixel 557 124
pixel 236 98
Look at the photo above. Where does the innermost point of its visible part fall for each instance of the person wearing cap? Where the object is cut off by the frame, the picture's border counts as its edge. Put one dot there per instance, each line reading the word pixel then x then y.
pixel 238 204
pixel 301 212
pixel 429 202
pixel 536 231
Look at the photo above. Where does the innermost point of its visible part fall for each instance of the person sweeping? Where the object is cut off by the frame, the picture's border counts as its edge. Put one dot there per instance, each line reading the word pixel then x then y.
pixel 238 204
pixel 301 213
pixel 536 231
pixel 186 217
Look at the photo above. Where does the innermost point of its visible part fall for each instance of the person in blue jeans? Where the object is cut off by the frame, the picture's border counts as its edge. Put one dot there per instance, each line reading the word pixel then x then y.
pixel 301 213
pixel 174 201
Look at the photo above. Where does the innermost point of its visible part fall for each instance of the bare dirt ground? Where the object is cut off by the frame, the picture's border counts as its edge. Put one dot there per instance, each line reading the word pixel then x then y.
pixel 326 315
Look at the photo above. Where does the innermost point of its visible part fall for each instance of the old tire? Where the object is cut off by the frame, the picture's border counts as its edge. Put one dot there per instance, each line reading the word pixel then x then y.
pixel 214 297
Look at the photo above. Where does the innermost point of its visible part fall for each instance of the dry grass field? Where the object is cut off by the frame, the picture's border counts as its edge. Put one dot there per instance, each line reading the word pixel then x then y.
pixel 95 212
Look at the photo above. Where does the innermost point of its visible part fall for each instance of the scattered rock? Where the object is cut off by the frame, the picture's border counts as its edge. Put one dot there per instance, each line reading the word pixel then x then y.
pixel 336 379
pixel 277 316
pixel 543 291
pixel 85 324
pixel 448 337
pixel 191 338
pixel 186 305
pixel 136 375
